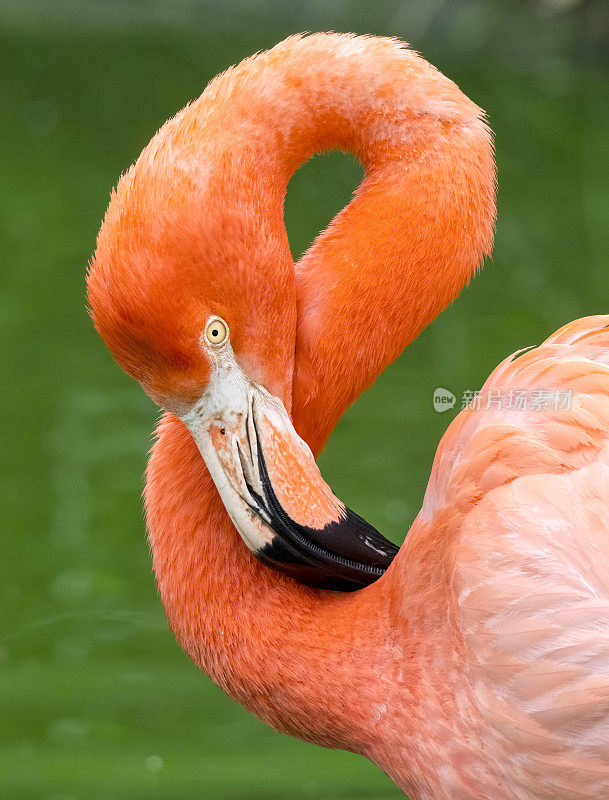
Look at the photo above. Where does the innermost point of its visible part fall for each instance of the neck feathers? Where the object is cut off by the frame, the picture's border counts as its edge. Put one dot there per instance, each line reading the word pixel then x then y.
pixel 416 230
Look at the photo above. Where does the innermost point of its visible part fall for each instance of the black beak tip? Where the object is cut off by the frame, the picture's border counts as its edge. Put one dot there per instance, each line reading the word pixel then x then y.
pixel 344 555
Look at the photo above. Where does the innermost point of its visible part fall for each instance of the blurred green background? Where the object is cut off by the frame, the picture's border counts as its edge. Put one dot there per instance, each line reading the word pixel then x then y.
pixel 96 699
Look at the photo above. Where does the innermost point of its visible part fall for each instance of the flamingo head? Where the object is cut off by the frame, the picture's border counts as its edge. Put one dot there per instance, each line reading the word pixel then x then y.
pixel 173 253
pixel 192 289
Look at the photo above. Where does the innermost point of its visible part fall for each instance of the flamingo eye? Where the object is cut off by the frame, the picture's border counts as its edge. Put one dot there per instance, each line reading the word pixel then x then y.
pixel 216 332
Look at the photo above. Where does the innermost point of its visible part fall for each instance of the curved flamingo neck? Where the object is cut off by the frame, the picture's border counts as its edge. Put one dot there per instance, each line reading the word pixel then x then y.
pixel 420 222
pixel 417 228
pixel 307 661
pixel 198 220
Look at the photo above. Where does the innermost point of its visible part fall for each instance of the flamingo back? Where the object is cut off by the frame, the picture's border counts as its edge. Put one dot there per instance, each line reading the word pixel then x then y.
pixel 526 490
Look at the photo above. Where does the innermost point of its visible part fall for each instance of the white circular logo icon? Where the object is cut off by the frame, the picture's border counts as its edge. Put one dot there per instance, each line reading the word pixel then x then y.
pixel 443 400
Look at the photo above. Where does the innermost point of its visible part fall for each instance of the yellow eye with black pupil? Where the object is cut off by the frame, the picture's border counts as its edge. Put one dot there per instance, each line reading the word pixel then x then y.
pixel 216 332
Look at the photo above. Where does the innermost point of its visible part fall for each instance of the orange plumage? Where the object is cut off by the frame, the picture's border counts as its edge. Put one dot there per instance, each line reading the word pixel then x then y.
pixel 476 665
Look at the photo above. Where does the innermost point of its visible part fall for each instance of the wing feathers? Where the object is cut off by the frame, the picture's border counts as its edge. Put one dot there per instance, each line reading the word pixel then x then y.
pixel 529 493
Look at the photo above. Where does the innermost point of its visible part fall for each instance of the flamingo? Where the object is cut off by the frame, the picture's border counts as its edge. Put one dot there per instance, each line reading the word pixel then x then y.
pixel 473 663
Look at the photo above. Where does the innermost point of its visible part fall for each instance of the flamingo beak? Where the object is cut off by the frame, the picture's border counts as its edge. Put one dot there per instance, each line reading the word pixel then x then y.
pixel 273 491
